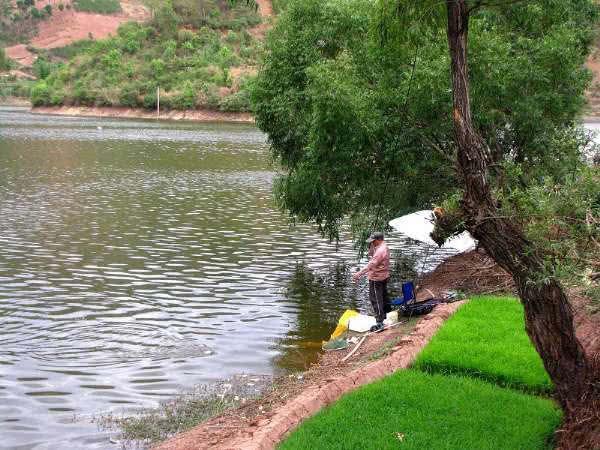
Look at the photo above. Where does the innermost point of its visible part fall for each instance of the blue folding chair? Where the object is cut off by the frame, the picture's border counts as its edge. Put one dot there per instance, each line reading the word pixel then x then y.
pixel 408 294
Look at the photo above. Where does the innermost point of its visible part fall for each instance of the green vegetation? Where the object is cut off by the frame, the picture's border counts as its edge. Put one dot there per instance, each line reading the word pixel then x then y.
pixel 98 6
pixel 357 103
pixel 70 51
pixel 5 61
pixel 415 410
pixel 191 67
pixel 185 411
pixel 486 339
pixel 18 20
pixel 178 415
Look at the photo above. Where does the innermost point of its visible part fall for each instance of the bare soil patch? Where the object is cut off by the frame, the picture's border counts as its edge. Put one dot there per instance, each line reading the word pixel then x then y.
pixel 473 272
pixel 67 26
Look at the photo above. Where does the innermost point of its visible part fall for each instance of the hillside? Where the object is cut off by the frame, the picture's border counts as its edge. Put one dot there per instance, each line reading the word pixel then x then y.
pixel 199 54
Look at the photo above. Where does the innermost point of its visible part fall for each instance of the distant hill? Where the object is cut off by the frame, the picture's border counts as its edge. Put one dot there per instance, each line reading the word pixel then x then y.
pixel 117 53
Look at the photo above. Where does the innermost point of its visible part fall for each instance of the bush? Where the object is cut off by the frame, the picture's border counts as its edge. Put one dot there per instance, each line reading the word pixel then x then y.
pixel 5 62
pixel 57 97
pixel 48 9
pixel 185 35
pixel 36 13
pixel 129 95
pixel 237 102
pixel 149 101
pixel 42 68
pixel 186 99
pixel 61 7
pixel 40 94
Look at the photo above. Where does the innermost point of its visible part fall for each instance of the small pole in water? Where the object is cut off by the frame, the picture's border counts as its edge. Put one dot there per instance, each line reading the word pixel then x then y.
pixel 157 102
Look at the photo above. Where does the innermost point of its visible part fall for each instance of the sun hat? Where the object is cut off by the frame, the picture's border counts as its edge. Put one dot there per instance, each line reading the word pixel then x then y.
pixel 377 236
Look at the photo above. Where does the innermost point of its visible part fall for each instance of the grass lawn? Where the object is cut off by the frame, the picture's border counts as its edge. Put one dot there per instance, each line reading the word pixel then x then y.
pixel 455 397
pixel 486 339
pixel 416 410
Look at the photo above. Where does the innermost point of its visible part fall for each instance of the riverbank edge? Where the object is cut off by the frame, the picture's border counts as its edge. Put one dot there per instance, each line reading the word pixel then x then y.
pixel 191 115
pixel 196 115
pixel 267 431
pixel 15 101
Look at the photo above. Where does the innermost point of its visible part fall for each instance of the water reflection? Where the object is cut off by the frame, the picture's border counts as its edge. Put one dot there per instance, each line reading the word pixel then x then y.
pixel 319 297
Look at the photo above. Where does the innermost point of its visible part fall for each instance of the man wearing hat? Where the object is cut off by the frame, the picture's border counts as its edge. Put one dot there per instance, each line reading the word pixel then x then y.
pixel 378 273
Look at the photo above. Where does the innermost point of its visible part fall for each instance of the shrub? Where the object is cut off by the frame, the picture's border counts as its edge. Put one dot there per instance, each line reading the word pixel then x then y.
pixel 186 99
pixel 40 94
pixel 61 7
pixel 5 62
pixel 129 95
pixel 237 102
pixel 158 68
pixel 149 101
pixel 112 60
pixel 57 97
pixel 36 13
pixel 48 9
pixel 185 35
pixel 170 51
pixel 42 68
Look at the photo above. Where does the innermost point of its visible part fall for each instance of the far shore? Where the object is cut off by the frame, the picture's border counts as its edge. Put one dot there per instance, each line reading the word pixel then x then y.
pixel 196 115
pixel 14 101
pixel 192 115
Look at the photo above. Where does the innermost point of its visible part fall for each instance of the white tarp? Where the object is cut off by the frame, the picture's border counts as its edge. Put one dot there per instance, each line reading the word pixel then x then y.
pixel 419 225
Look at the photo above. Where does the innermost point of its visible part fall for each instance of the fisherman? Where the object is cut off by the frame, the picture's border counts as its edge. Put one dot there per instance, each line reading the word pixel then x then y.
pixel 378 273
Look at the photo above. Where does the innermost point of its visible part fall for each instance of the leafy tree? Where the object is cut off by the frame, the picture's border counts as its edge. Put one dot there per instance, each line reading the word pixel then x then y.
pixel 360 110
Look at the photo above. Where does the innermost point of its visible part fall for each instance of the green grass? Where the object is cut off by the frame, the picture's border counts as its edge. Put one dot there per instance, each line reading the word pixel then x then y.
pixel 71 50
pixel 456 396
pixel 416 410
pixel 98 6
pixel 486 339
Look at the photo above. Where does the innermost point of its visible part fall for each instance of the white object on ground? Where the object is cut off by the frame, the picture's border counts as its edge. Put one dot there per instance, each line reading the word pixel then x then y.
pixel 391 318
pixel 361 323
pixel 419 225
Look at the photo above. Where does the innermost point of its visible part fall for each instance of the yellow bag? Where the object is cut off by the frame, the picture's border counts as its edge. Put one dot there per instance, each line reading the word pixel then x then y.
pixel 343 323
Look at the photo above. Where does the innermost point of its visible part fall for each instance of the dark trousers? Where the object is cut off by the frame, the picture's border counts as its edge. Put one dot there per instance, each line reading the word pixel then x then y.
pixel 379 299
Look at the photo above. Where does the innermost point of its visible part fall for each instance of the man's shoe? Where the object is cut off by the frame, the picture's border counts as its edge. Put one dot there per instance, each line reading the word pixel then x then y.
pixel 377 328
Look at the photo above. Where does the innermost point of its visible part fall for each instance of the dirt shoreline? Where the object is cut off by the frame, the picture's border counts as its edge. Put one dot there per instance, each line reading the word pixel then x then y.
pixel 263 423
pixel 14 101
pixel 193 115
pixel 137 113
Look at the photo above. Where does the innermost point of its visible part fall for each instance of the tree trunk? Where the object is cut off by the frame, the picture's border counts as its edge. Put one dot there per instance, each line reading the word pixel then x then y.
pixel 548 314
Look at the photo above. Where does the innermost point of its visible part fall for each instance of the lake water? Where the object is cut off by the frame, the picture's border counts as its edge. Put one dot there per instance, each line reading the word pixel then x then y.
pixel 141 258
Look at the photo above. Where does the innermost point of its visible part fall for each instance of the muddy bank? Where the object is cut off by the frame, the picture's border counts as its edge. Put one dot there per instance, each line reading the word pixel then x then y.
pixel 264 423
pixel 14 101
pixel 135 113
pixel 261 424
